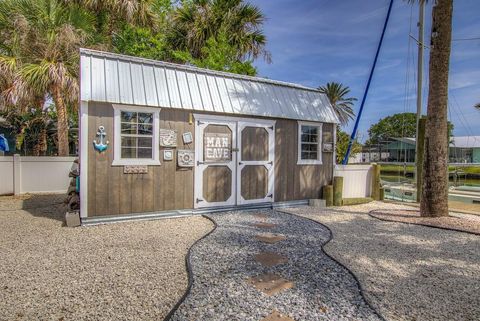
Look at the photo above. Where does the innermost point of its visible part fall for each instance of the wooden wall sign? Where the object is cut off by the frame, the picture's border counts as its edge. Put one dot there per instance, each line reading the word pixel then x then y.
pixel 135 169
pixel 217 147
pixel 168 138
pixel 328 147
pixel 185 158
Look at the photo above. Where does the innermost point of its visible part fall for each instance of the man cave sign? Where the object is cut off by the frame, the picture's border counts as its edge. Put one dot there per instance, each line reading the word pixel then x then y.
pixel 217 147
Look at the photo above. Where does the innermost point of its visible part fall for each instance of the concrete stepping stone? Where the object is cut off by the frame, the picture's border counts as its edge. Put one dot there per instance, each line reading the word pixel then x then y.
pixel 270 283
pixel 270 258
pixel 264 225
pixel 277 316
pixel 270 238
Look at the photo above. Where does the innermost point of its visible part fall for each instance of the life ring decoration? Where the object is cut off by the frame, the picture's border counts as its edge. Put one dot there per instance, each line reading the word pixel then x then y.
pixel 101 145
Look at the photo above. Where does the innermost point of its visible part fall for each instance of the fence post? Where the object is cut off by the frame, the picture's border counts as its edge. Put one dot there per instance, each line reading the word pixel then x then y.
pixel 328 195
pixel 337 190
pixel 376 182
pixel 17 174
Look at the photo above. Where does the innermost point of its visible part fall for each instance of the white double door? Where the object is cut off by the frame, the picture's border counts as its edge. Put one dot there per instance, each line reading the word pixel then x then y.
pixel 234 161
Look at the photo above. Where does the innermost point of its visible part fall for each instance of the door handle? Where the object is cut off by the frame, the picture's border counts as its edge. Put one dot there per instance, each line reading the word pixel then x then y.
pixel 240 163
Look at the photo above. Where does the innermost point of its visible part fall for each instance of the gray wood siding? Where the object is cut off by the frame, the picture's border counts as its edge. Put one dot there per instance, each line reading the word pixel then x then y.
pixel 298 182
pixel 168 187
pixel 112 192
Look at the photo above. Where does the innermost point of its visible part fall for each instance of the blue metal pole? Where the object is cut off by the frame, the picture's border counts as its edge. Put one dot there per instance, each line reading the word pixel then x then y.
pixel 355 128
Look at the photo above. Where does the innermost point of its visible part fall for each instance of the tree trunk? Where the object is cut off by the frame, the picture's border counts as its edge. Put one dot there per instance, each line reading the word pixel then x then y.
pixel 42 144
pixel 434 200
pixel 62 122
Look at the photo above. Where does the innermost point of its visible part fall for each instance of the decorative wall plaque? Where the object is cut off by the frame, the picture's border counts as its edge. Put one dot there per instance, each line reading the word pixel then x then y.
pixel 187 138
pixel 328 147
pixel 185 158
pixel 168 138
pixel 168 155
pixel 217 147
pixel 101 145
pixel 135 169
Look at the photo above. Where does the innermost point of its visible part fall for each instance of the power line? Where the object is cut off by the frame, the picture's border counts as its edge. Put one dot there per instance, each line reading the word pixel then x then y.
pixel 466 39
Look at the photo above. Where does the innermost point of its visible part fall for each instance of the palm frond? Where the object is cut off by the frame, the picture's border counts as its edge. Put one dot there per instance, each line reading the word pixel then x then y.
pixel 343 106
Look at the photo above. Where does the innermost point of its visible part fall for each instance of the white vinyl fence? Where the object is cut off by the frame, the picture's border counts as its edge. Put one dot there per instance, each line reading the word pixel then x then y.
pixel 357 180
pixel 31 174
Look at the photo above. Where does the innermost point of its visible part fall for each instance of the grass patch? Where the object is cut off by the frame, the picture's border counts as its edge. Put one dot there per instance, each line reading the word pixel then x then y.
pixel 356 200
pixel 473 170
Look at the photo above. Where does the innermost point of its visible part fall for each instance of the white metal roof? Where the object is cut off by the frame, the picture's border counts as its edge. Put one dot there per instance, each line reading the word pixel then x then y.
pixel 107 77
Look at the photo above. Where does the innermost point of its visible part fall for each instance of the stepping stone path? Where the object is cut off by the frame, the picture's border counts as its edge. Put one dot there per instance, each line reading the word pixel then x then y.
pixel 240 272
pixel 264 225
pixel 276 316
pixel 270 238
pixel 270 259
pixel 270 284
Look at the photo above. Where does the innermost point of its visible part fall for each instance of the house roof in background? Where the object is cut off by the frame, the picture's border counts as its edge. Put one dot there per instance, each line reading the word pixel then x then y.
pixel 114 78
pixel 456 141
pixel 465 142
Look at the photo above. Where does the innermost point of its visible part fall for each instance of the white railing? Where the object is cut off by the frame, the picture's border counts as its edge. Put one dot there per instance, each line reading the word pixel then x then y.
pixel 357 180
pixel 31 174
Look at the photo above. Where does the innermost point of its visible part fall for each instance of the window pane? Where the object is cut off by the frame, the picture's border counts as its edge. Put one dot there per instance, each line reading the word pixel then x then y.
pixel 145 153
pixel 309 138
pixel 144 142
pixel 145 118
pixel 309 147
pixel 128 152
pixel 145 129
pixel 128 117
pixel 129 141
pixel 312 130
pixel 309 155
pixel 129 128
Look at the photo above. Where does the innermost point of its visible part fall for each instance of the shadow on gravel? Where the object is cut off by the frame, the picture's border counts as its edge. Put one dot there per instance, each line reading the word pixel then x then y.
pixel 45 205
pixel 422 266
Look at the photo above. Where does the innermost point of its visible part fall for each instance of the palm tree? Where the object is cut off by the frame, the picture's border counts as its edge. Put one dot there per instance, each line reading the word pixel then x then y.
pixel 434 200
pixel 46 35
pixel 112 15
pixel 337 94
pixel 196 21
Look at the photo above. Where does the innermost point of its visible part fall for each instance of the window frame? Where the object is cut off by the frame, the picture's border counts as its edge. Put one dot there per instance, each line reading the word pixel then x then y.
pixel 317 161
pixel 117 148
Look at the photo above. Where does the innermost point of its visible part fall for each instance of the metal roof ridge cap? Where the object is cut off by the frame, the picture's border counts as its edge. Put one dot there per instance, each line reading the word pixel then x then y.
pixel 194 69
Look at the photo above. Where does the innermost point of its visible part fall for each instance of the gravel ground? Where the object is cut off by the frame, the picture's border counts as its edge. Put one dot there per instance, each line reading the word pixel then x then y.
pixel 223 261
pixel 465 222
pixel 125 271
pixel 408 272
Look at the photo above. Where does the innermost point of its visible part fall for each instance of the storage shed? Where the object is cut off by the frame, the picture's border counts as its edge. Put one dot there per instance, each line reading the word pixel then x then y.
pixel 160 139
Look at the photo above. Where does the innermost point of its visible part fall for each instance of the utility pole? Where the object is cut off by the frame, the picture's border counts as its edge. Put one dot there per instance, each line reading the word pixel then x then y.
pixel 419 148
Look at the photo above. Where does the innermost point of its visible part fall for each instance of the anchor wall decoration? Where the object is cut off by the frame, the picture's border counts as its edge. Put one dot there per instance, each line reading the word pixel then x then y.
pixel 102 145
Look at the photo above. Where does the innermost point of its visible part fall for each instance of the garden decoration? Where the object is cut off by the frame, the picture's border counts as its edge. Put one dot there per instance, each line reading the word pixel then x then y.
pixel 102 145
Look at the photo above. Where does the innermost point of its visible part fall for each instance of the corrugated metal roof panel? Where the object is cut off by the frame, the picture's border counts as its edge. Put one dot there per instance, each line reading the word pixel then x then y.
pixel 162 88
pixel 150 86
pixel 173 90
pixel 125 83
pixel 108 77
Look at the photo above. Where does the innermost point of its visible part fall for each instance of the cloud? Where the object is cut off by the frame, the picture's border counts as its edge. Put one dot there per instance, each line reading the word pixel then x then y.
pixel 316 41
